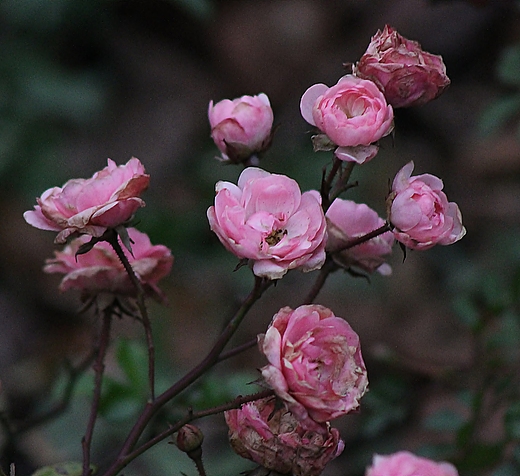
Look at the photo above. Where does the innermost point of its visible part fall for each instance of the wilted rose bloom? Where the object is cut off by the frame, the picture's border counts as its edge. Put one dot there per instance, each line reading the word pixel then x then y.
pixel 404 463
pixel 315 363
pixel 241 127
pixel 352 113
pixel 420 212
pixel 347 220
pixel 265 218
pixel 275 439
pixel 407 75
pixel 90 206
pixel 100 270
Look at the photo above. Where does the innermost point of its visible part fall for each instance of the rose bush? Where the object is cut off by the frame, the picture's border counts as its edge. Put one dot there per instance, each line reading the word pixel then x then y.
pixel 100 270
pixel 347 220
pixel 275 439
pixel 407 75
pixel 241 127
pixel 89 206
pixel 315 364
pixel 420 213
pixel 352 113
pixel 404 463
pixel 266 219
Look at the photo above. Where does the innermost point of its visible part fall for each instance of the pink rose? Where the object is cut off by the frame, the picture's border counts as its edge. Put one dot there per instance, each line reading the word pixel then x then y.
pixel 404 463
pixel 407 75
pixel 274 438
pixel 242 127
pixel 99 270
pixel 90 206
pixel 352 113
pixel 266 219
pixel 420 211
pixel 347 220
pixel 315 363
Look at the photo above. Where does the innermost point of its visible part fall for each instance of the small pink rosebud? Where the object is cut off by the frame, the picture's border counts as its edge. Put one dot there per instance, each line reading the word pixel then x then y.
pixel 266 219
pixel 315 364
pixel 347 220
pixel 275 439
pixel 189 438
pixel 89 206
pixel 407 75
pixel 352 113
pixel 406 463
pixel 420 213
pixel 242 127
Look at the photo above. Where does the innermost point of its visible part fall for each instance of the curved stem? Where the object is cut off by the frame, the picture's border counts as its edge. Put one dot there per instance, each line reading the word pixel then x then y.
pixel 211 358
pixel 112 238
pixel 361 239
pixel 99 368
pixel 328 268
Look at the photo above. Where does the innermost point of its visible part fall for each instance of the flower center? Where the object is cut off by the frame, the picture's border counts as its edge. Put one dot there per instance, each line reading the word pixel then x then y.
pixel 275 236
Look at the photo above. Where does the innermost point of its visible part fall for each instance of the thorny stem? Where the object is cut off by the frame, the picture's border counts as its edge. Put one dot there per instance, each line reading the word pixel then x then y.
pixel 328 268
pixel 112 239
pixel 127 452
pixel 191 416
pixel 99 368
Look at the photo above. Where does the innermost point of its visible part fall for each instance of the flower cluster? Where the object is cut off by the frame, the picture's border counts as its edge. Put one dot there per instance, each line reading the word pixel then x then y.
pixel 315 370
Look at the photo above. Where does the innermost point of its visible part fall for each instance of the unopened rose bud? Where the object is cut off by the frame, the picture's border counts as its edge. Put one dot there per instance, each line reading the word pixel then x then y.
pixel 189 438
pixel 407 75
pixel 241 128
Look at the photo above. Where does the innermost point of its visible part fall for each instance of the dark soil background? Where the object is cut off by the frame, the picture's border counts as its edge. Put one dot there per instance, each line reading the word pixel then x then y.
pixel 83 81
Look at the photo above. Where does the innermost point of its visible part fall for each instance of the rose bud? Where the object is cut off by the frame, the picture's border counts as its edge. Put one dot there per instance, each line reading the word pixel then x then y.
pixel 275 439
pixel 347 220
pixel 405 463
pixel 89 206
pixel 407 75
pixel 315 364
pixel 353 114
pixel 420 213
pixel 242 127
pixel 265 218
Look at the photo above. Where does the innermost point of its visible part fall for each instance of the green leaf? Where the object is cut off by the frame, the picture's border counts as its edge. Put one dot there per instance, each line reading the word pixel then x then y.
pixel 481 456
pixel 444 420
pixel 132 357
pixel 119 402
pixel 512 421
pixel 498 113
pixel 62 469
pixel 508 68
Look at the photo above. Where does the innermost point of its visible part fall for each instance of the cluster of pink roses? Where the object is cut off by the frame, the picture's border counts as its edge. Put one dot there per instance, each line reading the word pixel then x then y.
pixel 88 207
pixel 315 367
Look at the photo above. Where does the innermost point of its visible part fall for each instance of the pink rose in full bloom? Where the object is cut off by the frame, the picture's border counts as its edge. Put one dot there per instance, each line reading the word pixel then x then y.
pixel 347 220
pixel 404 463
pixel 99 270
pixel 266 219
pixel 241 127
pixel 275 439
pixel 353 114
pixel 407 75
pixel 90 206
pixel 315 363
pixel 420 212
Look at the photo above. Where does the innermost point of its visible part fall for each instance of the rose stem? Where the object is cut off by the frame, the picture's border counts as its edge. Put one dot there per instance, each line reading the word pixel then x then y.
pixel 211 359
pixel 99 368
pixel 112 239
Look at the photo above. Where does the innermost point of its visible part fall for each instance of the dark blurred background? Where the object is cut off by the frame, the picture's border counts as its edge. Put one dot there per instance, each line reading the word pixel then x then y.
pixel 84 81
